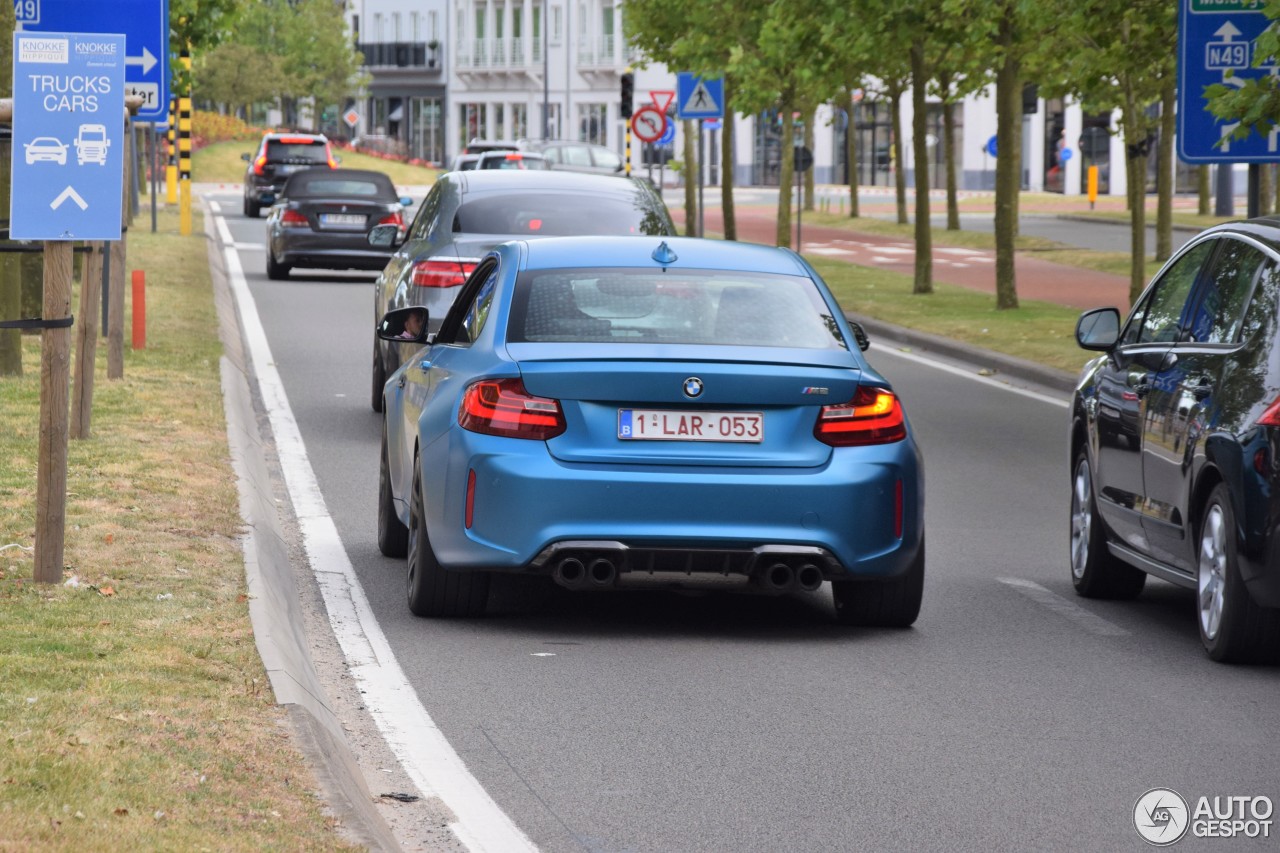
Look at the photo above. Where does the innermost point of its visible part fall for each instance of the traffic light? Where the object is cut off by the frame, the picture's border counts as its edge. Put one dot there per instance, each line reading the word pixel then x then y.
pixel 628 91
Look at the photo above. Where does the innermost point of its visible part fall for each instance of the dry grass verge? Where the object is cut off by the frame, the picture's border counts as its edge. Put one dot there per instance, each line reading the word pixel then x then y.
pixel 135 713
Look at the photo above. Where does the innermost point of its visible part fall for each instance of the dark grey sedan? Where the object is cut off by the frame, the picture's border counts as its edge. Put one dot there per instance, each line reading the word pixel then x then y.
pixel 323 219
pixel 468 213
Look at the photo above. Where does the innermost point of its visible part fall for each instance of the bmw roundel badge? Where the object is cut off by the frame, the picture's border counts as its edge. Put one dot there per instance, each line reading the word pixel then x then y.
pixel 693 387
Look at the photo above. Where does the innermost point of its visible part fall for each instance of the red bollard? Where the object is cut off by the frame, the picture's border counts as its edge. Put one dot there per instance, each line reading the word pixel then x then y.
pixel 139 309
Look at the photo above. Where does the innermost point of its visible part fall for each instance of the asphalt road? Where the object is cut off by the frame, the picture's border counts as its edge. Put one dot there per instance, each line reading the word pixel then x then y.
pixel 1014 716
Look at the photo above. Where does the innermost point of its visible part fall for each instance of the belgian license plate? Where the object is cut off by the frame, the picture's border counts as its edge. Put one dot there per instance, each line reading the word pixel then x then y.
pixel 342 219
pixel 660 425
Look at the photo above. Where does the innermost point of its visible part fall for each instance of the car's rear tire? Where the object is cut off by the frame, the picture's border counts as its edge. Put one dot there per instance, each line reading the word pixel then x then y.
pixel 432 590
pixel 1233 627
pixel 379 377
pixel 1095 571
pixel 251 209
pixel 882 602
pixel 276 271
pixel 393 536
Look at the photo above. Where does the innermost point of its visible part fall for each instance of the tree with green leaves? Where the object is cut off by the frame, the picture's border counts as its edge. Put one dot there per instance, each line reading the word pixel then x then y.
pixel 699 37
pixel 1120 60
pixel 1021 40
pixel 239 76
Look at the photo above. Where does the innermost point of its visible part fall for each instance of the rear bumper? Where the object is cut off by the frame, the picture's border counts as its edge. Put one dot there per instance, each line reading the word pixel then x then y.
pixel 332 259
pixel 526 506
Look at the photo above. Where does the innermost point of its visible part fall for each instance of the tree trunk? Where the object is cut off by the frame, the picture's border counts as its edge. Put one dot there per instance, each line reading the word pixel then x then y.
pixel 1264 190
pixel 1203 174
pixel 920 149
pixel 786 177
pixel 899 174
pixel 851 152
pixel 691 171
pixel 949 140
pixel 726 168
pixel 809 116
pixel 1164 170
pixel 1008 166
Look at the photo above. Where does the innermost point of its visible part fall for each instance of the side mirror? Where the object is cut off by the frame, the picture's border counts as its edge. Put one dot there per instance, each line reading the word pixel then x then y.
pixel 385 236
pixel 860 335
pixel 247 157
pixel 405 201
pixel 1098 329
pixel 399 325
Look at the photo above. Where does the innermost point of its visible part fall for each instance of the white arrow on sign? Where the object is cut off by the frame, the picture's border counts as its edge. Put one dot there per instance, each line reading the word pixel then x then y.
pixel 147 60
pixel 69 193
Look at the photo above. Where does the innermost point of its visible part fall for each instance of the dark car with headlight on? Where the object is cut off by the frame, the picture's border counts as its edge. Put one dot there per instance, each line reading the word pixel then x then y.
pixel 467 213
pixel 323 219
pixel 1175 440
pixel 606 410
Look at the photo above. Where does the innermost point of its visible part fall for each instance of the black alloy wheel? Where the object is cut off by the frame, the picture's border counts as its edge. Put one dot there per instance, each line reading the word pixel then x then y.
pixel 1233 627
pixel 276 271
pixel 433 591
pixel 1095 571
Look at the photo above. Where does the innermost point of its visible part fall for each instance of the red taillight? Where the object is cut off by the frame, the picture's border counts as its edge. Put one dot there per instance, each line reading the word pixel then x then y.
pixel 328 153
pixel 503 407
pixel 294 219
pixel 259 164
pixel 1271 417
pixel 441 272
pixel 874 416
pixel 392 219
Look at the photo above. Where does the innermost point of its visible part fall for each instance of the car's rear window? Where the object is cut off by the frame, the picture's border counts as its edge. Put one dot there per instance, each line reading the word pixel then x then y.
pixel 552 214
pixel 314 186
pixel 671 307
pixel 310 152
pixel 512 161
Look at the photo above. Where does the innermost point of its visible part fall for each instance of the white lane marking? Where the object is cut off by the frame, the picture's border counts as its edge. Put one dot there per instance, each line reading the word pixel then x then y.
pixel 1092 623
pixel 970 374
pixel 417 742
pixel 215 207
pixel 248 247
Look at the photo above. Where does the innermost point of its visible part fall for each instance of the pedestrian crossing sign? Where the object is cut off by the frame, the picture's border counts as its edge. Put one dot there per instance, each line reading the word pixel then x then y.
pixel 698 97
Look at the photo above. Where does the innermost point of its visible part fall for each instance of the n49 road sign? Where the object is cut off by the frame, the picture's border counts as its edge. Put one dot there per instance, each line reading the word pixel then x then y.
pixel 1215 45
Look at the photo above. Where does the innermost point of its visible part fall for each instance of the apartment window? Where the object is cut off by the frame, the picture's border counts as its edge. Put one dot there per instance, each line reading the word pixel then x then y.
pixel 519 121
pixel 473 120
pixel 593 123
pixel 480 29
pixel 377 26
pixel 415 24
pixel 499 126
pixel 606 20
pixel 499 21
pixel 395 26
pixel 433 25
pixel 557 25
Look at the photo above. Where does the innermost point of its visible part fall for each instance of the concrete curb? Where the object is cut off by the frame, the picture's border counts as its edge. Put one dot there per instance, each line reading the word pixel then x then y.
pixel 1075 217
pixel 999 363
pixel 274 609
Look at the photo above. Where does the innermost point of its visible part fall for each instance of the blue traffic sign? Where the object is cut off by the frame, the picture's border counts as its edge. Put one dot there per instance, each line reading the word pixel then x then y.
pixel 697 97
pixel 991 147
pixel 669 135
pixel 68 136
pixel 1216 37
pixel 143 23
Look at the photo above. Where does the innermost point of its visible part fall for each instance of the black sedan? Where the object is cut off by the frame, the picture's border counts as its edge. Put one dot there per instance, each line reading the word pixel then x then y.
pixel 323 219
pixel 1175 440
pixel 467 213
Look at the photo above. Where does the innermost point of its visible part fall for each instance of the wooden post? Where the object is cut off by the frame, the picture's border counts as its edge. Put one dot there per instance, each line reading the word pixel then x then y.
pixel 86 342
pixel 115 310
pixel 51 472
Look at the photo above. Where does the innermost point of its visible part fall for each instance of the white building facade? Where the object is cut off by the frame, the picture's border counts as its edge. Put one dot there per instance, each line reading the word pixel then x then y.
pixel 444 72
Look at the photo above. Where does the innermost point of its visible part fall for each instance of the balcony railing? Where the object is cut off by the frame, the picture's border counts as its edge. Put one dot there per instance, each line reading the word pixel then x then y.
pixel 596 51
pixel 398 54
pixel 500 54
